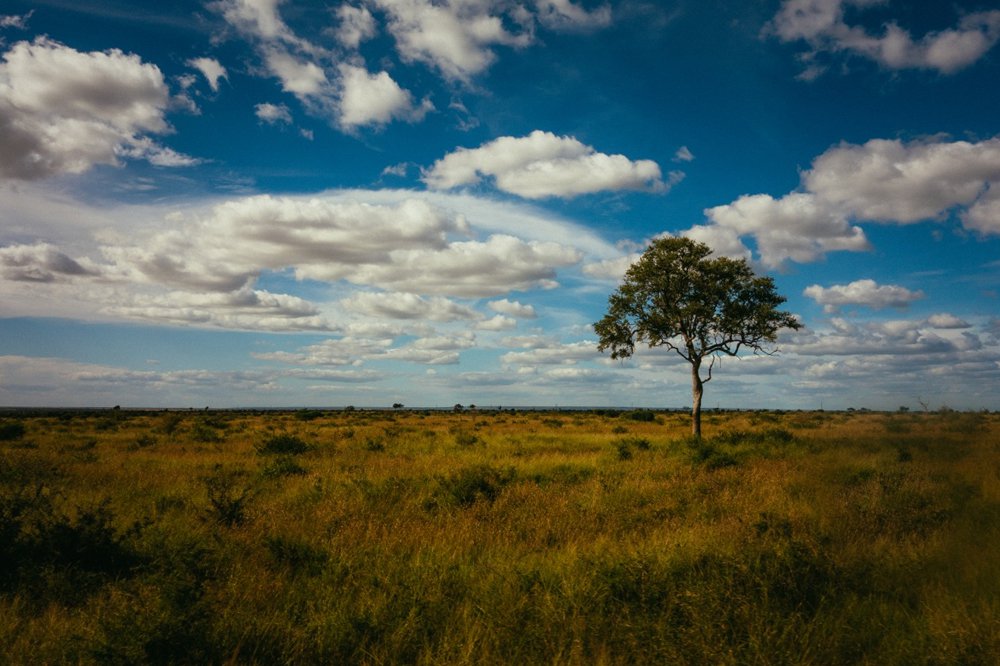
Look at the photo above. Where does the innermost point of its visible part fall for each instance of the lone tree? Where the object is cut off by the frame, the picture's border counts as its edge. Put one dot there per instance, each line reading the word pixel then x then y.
pixel 677 297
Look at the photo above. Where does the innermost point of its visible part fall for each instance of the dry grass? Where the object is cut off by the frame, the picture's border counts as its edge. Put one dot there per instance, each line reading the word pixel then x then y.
pixel 565 538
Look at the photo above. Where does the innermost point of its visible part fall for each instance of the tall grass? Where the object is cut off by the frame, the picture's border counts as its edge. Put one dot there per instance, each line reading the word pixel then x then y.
pixel 477 537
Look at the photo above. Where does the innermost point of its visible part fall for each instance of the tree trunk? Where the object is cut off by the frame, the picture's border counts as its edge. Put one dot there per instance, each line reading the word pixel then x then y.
pixel 697 389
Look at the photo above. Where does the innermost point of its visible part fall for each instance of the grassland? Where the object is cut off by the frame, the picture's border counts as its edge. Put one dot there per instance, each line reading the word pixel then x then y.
pixel 496 538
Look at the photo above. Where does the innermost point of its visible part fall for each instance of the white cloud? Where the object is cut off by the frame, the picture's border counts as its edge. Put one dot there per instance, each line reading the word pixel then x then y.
pixel 256 17
pixel 375 99
pixel 40 262
pixel 453 36
pixel 984 215
pixel 15 21
pixel 356 25
pixel 544 165
pixel 862 292
pixel 564 15
pixel 945 320
pixel 211 70
pixel 466 268
pixel 64 111
pixel 885 181
pixel 197 263
pixel 273 113
pixel 245 308
pixel 303 78
pixel 797 227
pixel 497 323
pixel 321 238
pixel 822 24
pixel 408 306
pixel 349 350
pixel 346 94
pixel 557 354
pixel 513 309
pixel 892 181
pixel 610 269
pixel 683 154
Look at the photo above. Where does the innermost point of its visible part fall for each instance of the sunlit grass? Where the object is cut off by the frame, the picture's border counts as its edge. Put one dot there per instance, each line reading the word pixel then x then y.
pixel 480 537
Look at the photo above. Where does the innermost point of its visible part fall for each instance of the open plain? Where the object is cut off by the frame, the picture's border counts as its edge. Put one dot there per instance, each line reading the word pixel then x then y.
pixel 488 537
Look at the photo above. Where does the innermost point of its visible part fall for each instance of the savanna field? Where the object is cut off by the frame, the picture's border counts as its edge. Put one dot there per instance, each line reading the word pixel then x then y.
pixel 484 537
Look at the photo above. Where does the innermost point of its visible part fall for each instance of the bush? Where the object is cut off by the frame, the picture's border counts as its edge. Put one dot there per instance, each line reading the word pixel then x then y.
pixel 60 556
pixel 299 557
pixel 228 496
pixel 11 430
pixel 283 466
pixel 643 415
pixel 283 444
pixel 472 484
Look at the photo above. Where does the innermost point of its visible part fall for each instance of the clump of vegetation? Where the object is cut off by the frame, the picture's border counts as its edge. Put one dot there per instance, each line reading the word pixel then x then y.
pixel 285 465
pixel 229 495
pixel 11 431
pixel 627 445
pixel 282 444
pixel 472 484
pixel 642 415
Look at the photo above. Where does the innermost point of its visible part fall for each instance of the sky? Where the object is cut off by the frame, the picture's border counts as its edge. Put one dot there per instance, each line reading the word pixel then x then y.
pixel 282 203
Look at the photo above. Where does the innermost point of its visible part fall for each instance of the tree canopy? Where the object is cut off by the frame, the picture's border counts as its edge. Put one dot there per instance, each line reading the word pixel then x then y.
pixel 677 296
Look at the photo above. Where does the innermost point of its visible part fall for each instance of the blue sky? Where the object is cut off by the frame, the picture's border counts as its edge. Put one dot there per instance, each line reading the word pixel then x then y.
pixel 284 203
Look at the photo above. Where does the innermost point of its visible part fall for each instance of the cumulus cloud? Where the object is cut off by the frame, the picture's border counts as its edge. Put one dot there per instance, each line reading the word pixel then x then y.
pixel 454 37
pixel 823 25
pixel 984 215
pixel 299 76
pixel 495 266
pixel 273 114
pixel 356 25
pixel 888 180
pixel 497 323
pixel 544 165
pixel 899 341
pixel 885 181
pixel 415 251
pixel 610 269
pixel 355 351
pixel 457 37
pixel 862 292
pixel 245 308
pixel 408 306
pixel 256 17
pixel 795 227
pixel 375 99
pixel 320 238
pixel 557 354
pixel 41 262
pixel 211 70
pixel 513 309
pixel 345 93
pixel 945 320
pixel 64 111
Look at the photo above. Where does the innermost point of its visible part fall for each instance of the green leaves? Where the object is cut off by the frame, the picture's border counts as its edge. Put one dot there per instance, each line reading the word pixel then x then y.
pixel 676 296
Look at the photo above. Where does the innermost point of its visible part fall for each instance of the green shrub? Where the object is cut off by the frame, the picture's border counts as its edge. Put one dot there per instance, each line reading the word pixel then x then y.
pixel 643 415
pixel 472 484
pixel 11 430
pixel 298 556
pixel 283 466
pixel 228 496
pixel 465 439
pixel 282 444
